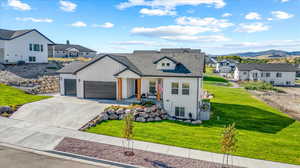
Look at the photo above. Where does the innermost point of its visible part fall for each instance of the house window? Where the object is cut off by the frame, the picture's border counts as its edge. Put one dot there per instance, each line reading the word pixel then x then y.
pixel 185 89
pixel 30 47
pixel 36 47
pixel 163 64
pixel 268 74
pixel 42 48
pixel 179 112
pixel 152 87
pixel 278 75
pixel 175 87
pixel 245 73
pixel 168 64
pixel 288 82
pixel 32 59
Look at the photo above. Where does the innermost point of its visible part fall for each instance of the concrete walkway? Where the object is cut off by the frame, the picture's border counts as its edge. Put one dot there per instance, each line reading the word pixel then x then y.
pixel 45 137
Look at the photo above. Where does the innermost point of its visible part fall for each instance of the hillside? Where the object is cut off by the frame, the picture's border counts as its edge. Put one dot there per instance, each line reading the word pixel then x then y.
pixel 268 53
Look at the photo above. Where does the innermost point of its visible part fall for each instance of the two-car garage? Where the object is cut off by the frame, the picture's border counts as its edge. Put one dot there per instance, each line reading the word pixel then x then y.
pixel 92 80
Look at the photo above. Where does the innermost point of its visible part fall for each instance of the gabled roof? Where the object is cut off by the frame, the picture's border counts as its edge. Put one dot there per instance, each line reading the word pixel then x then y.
pixel 12 34
pixel 64 47
pixel 165 57
pixel 267 67
pixel 188 64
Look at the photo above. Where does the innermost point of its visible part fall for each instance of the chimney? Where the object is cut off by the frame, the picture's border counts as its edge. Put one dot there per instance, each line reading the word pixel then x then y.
pixel 68 42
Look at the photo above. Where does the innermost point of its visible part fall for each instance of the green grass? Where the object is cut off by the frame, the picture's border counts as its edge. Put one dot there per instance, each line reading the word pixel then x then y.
pixel 10 96
pixel 263 132
pixel 298 81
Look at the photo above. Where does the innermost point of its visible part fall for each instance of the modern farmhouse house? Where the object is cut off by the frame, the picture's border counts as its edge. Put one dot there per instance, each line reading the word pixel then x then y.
pixel 276 74
pixel 226 66
pixel 70 50
pixel 23 45
pixel 170 76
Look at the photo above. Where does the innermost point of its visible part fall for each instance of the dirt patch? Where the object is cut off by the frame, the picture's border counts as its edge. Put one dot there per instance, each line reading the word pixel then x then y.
pixel 287 102
pixel 141 158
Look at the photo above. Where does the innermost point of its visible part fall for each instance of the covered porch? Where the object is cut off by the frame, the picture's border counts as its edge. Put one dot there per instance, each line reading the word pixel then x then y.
pixel 139 89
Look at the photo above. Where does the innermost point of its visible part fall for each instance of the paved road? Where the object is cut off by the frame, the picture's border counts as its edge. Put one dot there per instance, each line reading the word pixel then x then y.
pixel 60 111
pixel 13 158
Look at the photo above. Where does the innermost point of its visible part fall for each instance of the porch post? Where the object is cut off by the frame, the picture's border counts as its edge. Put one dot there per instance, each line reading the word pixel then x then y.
pixel 158 90
pixel 139 89
pixel 119 97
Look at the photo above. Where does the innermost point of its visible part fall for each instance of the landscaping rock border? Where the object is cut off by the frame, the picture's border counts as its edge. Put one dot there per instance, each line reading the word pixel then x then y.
pixel 140 114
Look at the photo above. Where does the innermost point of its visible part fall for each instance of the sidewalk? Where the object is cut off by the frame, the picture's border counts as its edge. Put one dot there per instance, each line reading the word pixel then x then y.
pixel 43 137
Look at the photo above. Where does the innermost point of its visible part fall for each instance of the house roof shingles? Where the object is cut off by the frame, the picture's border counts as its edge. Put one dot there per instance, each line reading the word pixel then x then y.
pixel 12 34
pixel 189 64
pixel 267 67
pixel 63 47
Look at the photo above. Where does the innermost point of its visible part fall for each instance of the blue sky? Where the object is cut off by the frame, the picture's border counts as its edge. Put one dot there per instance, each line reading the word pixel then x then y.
pixel 215 26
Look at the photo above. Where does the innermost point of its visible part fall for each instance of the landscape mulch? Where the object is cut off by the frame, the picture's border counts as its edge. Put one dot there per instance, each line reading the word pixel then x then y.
pixel 141 158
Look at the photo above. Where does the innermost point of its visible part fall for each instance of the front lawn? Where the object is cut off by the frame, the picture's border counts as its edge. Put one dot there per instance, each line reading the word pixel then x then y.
pixel 10 96
pixel 263 132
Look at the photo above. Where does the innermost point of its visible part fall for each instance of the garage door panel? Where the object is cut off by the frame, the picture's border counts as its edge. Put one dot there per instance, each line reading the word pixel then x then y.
pixel 70 87
pixel 100 89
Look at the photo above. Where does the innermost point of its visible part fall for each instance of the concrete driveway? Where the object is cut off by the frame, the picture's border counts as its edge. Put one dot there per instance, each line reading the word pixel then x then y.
pixel 60 111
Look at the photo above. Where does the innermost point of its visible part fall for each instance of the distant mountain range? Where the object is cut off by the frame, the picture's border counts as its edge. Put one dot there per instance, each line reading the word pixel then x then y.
pixel 268 53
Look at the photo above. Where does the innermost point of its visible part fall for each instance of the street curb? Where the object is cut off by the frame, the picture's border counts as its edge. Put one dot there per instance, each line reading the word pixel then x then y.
pixel 72 157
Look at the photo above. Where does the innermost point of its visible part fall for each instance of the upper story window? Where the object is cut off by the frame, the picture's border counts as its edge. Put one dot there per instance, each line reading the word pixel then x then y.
pixel 245 73
pixel 168 64
pixel 152 87
pixel 268 74
pixel 185 89
pixel 36 47
pixel 42 48
pixel 175 87
pixel 278 75
pixel 30 47
pixel 163 64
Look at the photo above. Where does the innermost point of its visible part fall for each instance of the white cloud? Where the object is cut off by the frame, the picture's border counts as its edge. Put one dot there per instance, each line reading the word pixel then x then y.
pixel 252 27
pixel 104 25
pixel 18 5
pixel 45 20
pixel 208 22
pixel 226 15
pixel 281 15
pixel 283 1
pixel 211 38
pixel 170 30
pixel 79 24
pixel 170 4
pixel 253 16
pixel 67 6
pixel 157 12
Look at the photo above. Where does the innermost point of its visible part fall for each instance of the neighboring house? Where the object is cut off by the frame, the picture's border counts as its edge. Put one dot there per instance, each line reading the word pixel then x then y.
pixel 226 66
pixel 23 45
pixel 70 50
pixel 210 61
pixel 276 74
pixel 172 77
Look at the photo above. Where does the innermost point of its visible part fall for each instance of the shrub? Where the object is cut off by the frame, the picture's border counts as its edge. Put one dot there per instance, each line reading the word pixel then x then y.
pixel 262 86
pixel 147 103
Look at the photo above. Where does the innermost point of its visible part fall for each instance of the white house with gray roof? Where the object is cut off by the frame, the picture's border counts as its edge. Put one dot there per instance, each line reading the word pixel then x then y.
pixel 172 77
pixel 23 45
pixel 276 74
pixel 70 50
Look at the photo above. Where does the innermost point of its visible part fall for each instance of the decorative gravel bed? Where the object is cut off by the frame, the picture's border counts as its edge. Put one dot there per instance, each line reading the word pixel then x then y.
pixel 141 158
